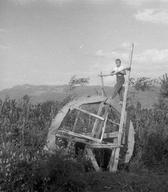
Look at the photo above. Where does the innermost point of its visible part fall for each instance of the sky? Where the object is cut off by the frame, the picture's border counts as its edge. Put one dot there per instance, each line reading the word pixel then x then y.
pixel 49 41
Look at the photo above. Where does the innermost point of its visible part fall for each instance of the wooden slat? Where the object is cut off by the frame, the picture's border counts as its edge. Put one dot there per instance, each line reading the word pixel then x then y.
pixel 70 133
pixel 111 135
pixel 91 114
pixel 104 146
pixel 89 143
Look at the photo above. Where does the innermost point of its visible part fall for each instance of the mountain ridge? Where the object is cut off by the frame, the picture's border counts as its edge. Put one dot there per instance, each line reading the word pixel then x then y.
pixel 42 93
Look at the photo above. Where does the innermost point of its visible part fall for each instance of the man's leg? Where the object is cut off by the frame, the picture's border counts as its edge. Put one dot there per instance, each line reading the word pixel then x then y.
pixel 121 93
pixel 117 88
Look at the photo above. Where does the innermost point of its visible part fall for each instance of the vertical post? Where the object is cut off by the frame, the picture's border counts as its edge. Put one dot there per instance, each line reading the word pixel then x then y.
pixel 102 84
pixel 115 157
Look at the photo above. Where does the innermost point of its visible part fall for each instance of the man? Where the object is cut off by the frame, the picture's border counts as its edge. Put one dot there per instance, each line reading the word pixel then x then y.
pixel 119 71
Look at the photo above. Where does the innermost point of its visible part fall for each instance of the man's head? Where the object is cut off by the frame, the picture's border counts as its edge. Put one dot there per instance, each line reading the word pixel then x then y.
pixel 118 62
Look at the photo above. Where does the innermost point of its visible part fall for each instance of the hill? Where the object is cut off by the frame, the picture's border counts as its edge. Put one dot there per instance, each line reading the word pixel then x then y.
pixel 41 93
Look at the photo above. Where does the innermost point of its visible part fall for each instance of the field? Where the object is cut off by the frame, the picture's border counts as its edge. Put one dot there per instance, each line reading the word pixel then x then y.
pixel 25 166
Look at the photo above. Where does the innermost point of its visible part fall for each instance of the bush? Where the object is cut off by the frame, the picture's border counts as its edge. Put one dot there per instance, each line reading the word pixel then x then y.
pixel 151 137
pixel 164 86
pixel 52 173
pixel 142 83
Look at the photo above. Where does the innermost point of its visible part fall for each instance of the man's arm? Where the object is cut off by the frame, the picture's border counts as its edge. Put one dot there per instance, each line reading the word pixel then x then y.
pixel 123 70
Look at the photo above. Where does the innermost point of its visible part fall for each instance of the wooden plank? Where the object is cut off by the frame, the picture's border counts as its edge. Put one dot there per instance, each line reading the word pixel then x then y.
pixel 70 133
pixel 103 146
pixel 89 143
pixel 111 135
pixel 113 164
pixel 93 159
pixel 89 113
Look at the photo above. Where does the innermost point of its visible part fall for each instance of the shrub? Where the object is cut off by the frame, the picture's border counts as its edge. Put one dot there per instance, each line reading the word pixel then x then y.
pixel 51 173
pixel 151 136
pixel 164 85
pixel 142 83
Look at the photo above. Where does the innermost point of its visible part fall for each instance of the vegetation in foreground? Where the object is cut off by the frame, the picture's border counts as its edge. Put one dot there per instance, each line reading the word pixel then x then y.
pixel 26 167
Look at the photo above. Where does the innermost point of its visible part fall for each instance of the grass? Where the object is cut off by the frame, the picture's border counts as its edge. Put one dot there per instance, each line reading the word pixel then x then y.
pixel 128 182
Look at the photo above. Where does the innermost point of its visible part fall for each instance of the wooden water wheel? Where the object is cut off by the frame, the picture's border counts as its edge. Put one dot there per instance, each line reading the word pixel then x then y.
pixel 93 125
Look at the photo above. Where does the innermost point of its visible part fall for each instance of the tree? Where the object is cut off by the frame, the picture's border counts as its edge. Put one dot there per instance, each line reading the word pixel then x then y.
pixel 74 82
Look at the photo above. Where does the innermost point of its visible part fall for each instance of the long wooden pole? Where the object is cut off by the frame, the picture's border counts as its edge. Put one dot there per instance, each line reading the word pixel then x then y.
pixel 102 84
pixel 115 154
pixel 125 96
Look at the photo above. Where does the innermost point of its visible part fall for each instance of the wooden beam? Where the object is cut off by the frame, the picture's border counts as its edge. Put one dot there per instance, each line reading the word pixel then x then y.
pixel 115 159
pixel 104 126
pixel 105 75
pixel 89 113
pixel 113 122
pixel 96 123
pixel 112 162
pixel 102 84
pixel 103 146
pixel 70 133
pixel 93 159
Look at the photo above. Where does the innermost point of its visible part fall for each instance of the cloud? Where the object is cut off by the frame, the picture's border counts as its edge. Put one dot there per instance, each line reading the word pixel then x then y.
pixel 154 56
pixel 25 2
pixel 4 47
pixel 141 2
pixel 2 30
pixel 153 16
pixel 112 55
pixel 148 62
pixel 146 56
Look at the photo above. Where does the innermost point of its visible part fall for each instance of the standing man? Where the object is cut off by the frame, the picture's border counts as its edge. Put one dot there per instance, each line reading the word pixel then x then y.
pixel 119 71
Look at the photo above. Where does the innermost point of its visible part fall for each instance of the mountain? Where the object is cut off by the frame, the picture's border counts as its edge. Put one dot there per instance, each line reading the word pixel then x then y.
pixel 41 93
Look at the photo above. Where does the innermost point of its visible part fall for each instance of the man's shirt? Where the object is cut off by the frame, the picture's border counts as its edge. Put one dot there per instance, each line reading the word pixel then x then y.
pixel 119 69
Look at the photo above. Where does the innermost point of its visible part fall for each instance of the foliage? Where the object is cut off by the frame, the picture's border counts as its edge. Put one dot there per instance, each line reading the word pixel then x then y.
pixel 142 83
pixel 24 166
pixel 51 173
pixel 151 136
pixel 164 86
